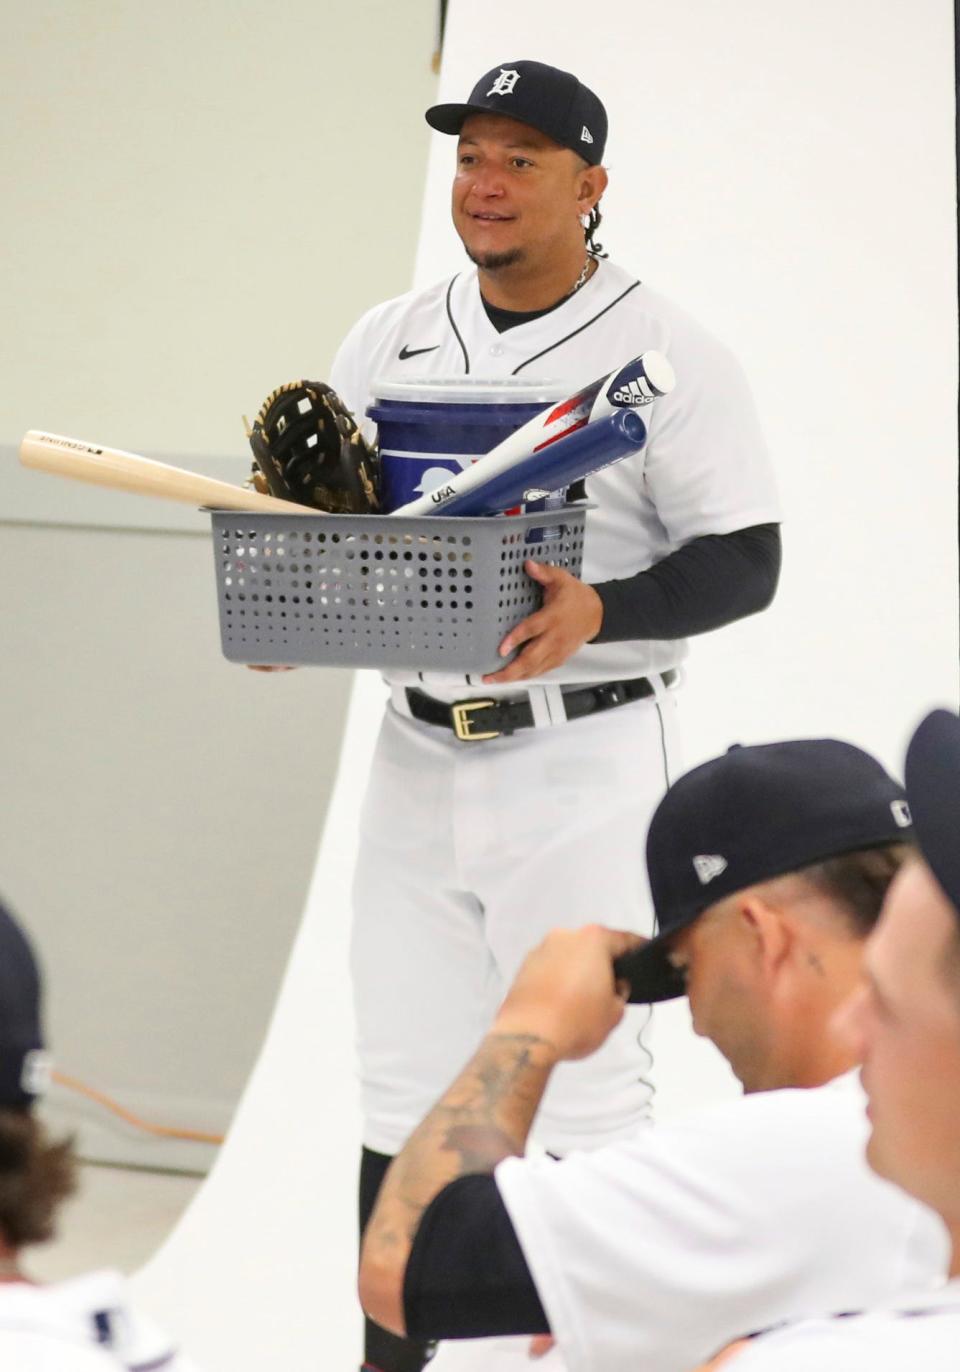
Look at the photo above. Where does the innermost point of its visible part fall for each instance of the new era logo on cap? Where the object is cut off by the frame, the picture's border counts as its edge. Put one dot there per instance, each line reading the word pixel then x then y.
pixel 585 135
pixel 709 865
pixel 901 813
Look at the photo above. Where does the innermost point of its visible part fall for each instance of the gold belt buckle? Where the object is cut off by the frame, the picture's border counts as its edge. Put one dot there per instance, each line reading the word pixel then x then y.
pixel 463 724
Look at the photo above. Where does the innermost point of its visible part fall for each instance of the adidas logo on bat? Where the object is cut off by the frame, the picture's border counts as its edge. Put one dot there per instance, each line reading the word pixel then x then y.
pixel 638 392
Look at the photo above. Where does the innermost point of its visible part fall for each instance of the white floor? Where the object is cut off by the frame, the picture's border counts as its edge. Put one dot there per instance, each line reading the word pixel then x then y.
pixel 117 1219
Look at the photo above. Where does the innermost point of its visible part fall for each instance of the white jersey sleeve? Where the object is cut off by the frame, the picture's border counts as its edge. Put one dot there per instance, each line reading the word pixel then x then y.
pixel 706 468
pixel 85 1324
pixel 372 349
pixel 924 1334
pixel 657 1252
pixel 348 373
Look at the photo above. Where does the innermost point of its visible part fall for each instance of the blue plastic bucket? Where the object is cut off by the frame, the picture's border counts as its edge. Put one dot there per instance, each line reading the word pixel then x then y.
pixel 428 429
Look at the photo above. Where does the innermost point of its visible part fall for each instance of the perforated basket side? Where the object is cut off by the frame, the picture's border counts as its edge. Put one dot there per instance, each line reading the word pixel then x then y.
pixel 370 591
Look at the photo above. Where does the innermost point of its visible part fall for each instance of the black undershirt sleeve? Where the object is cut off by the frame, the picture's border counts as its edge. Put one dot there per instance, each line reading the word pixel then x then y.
pixel 466 1276
pixel 709 582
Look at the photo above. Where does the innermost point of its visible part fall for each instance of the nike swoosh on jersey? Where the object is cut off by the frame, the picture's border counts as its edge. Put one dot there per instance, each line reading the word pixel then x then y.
pixel 406 352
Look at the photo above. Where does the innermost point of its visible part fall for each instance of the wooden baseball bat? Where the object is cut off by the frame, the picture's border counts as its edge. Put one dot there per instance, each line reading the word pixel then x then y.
pixel 92 462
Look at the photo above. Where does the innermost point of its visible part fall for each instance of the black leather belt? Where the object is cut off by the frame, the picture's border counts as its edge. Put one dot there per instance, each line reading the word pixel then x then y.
pixel 474 720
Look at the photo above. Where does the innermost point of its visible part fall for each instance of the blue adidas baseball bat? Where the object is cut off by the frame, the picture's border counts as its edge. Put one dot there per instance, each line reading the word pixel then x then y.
pixel 535 460
pixel 569 459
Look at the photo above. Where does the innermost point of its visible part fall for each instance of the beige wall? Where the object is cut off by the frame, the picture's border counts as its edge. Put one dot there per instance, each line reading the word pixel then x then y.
pixel 199 200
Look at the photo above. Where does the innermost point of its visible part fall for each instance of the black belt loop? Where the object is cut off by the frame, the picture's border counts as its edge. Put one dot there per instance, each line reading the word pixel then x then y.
pixel 484 717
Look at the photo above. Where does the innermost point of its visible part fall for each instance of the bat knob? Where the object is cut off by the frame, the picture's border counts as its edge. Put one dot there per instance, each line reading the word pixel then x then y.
pixel 659 372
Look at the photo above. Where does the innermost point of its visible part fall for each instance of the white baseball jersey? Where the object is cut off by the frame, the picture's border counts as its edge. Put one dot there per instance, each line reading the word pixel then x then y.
pixel 472 852
pixel 656 1253
pixel 81 1325
pixel 704 469
pixel 922 1333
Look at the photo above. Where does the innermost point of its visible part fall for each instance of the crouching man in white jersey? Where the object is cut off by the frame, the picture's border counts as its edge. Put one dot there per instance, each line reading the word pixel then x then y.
pixel 904 1022
pixel 767 868
pixel 80 1325
pixel 472 848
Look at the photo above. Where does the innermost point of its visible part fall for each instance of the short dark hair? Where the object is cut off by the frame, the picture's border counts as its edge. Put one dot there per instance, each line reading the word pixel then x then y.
pixel 36 1176
pixel 859 881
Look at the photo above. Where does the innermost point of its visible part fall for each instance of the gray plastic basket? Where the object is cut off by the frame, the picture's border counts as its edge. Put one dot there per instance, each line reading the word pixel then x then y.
pixel 434 593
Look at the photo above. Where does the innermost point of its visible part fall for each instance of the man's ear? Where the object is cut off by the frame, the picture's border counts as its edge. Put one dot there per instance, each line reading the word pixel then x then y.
pixel 770 936
pixel 591 186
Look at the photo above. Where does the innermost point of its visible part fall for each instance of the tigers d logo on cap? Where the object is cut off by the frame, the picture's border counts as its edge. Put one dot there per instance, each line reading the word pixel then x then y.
pixel 505 82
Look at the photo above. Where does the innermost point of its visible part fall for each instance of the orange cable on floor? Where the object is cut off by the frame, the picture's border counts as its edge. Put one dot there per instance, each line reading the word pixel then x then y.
pixel 165 1131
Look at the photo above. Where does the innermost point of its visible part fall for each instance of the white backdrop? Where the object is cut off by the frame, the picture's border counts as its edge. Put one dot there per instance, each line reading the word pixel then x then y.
pixel 788 174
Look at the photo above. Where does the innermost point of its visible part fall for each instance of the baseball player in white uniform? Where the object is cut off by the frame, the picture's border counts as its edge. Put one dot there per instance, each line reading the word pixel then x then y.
pixel 904 1020
pixel 656 1251
pixel 84 1324
pixel 472 849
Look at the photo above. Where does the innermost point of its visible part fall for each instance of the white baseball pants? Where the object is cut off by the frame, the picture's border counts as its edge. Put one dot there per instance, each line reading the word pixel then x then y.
pixel 469 854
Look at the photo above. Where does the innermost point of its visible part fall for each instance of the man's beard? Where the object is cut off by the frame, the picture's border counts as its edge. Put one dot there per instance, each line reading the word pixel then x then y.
pixel 495 261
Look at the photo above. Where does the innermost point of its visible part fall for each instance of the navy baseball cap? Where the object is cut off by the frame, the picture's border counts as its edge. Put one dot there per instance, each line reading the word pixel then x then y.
pixel 755 813
pixel 24 1066
pixel 546 98
pixel 933 790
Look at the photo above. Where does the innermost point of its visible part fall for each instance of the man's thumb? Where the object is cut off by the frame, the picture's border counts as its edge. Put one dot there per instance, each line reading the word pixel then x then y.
pixel 541 571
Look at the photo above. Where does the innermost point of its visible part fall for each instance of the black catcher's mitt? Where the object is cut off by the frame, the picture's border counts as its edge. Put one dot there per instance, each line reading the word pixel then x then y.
pixel 307 447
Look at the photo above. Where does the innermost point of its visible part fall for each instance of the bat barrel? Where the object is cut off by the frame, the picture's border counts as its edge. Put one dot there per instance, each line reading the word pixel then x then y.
pixel 115 469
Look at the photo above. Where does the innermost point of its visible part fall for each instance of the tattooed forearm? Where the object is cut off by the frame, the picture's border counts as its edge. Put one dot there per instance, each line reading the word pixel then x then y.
pixel 507 1066
pixel 484 1117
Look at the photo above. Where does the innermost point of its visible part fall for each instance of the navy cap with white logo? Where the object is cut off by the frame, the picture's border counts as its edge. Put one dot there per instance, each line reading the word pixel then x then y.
pixel 546 98
pixel 933 789
pixel 755 813
pixel 24 1066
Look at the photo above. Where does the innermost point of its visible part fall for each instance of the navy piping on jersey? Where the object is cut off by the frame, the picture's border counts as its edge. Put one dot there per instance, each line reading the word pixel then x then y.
pixel 453 325
pixel 544 351
pixel 908 1314
pixel 559 341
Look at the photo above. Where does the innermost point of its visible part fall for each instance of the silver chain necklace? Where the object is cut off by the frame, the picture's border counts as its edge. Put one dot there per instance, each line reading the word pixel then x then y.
pixel 581 279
